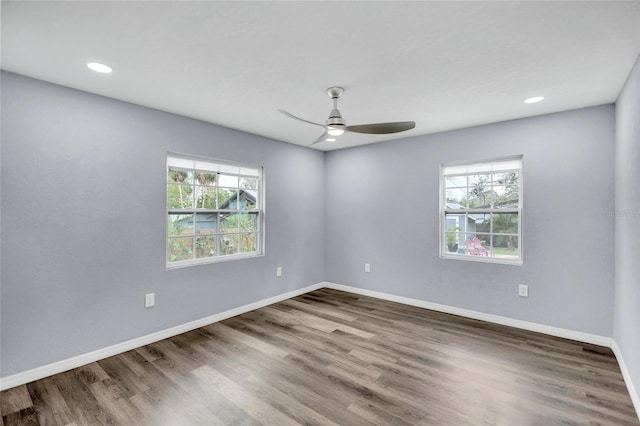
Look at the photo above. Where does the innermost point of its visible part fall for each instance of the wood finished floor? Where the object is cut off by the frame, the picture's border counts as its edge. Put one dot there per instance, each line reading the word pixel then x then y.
pixel 335 358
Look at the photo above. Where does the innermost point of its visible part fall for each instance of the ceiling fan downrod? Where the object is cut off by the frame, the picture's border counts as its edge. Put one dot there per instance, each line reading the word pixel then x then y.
pixel 335 117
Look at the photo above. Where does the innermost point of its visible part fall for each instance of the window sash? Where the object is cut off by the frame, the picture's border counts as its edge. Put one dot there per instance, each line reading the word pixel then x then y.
pixel 212 165
pixel 509 164
pixel 480 211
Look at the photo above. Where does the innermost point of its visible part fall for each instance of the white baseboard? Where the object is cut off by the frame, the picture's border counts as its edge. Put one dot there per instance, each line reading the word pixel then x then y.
pixel 627 378
pixel 497 319
pixel 80 360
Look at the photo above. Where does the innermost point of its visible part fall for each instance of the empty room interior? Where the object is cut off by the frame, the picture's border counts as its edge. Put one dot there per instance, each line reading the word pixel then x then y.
pixel 331 213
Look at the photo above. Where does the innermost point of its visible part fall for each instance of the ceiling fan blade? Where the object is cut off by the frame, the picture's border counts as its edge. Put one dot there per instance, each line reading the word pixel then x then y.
pixel 300 119
pixel 323 137
pixel 382 128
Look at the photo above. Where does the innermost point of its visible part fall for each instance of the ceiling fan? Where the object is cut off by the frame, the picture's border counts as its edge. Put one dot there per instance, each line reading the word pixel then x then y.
pixel 336 125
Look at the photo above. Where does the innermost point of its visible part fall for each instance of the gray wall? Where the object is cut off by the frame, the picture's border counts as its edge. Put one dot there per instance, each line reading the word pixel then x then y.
pixel 626 328
pixel 83 223
pixel 83 202
pixel 382 209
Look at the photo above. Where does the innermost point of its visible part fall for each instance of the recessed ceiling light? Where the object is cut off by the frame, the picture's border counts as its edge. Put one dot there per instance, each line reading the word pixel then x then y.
pixel 533 100
pixel 98 67
pixel 330 139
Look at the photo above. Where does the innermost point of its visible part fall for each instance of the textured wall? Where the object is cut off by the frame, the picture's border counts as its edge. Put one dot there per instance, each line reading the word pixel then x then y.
pixel 382 209
pixel 83 202
pixel 626 217
pixel 83 222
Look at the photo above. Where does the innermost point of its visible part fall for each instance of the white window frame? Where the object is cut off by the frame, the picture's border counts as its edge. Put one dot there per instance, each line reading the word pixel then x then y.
pixel 496 165
pixel 190 163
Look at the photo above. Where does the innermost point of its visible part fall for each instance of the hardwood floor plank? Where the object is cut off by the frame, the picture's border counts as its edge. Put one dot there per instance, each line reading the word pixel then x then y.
pixel 49 403
pixel 116 370
pixel 335 358
pixel 376 416
pixel 314 309
pixel 251 404
pixel 285 403
pixel 84 407
pixel 112 401
pixel 313 321
pixel 246 339
pixel 25 417
pixel 15 399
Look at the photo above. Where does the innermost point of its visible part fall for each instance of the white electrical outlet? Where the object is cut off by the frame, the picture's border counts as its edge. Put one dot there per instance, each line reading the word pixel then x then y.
pixel 149 300
pixel 367 267
pixel 279 271
pixel 523 290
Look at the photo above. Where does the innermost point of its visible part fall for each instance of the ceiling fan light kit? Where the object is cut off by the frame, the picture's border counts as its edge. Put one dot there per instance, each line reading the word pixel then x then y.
pixel 336 125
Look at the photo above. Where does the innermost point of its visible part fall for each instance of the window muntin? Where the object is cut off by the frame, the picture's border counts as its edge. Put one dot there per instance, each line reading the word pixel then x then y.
pixel 481 211
pixel 214 211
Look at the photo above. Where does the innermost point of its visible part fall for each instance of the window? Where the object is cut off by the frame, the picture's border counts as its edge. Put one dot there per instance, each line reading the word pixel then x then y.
pixel 481 211
pixel 214 211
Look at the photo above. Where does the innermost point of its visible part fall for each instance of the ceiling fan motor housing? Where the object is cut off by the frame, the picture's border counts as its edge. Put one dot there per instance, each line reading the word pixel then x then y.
pixel 335 118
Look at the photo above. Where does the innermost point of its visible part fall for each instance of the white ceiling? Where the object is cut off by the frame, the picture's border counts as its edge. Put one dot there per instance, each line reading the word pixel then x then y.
pixel 445 65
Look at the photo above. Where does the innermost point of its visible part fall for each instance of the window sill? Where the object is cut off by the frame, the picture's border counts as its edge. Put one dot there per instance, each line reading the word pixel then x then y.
pixel 481 259
pixel 208 261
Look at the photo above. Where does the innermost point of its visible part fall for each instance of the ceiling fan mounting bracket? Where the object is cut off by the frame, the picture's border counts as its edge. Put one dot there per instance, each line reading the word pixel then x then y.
pixel 335 92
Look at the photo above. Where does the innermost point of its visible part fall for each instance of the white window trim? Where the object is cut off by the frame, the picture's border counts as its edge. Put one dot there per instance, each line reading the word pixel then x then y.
pixel 466 168
pixel 228 167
